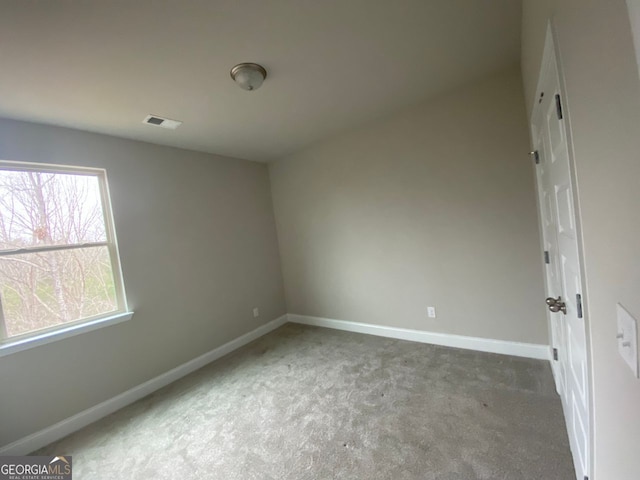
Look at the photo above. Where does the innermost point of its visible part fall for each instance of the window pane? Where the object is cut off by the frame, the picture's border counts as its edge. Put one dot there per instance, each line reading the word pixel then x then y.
pixel 39 208
pixel 41 290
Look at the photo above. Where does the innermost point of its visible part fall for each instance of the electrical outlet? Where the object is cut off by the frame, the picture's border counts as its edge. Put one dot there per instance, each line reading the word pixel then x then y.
pixel 256 312
pixel 628 339
pixel 431 312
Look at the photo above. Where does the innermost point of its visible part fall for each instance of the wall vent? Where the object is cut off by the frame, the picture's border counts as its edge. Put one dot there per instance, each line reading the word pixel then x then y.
pixel 157 121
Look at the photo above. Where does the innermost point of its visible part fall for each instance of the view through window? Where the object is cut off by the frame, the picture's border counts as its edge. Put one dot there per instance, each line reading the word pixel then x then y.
pixel 58 258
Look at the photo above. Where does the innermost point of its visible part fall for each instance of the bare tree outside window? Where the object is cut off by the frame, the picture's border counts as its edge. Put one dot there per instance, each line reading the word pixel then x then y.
pixel 55 257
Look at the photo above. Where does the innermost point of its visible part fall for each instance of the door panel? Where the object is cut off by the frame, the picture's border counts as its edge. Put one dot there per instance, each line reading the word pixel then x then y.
pixel 565 222
pixel 579 433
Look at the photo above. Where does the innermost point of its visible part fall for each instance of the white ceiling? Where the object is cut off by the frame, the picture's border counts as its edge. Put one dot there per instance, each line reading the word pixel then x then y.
pixel 103 65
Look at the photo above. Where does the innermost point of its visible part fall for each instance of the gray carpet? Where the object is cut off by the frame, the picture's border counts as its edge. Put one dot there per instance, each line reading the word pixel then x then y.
pixel 311 403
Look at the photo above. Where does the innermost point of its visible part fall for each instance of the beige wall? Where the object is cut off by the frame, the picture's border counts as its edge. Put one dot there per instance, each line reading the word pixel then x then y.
pixel 432 206
pixel 603 106
pixel 198 248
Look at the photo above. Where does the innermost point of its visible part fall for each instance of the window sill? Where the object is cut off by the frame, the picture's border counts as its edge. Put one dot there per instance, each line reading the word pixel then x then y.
pixel 62 333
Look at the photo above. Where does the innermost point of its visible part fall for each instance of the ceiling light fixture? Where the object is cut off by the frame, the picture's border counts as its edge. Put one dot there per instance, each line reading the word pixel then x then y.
pixel 248 75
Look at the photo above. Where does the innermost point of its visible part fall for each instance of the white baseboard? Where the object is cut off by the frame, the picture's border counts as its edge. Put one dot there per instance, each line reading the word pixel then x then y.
pixel 69 425
pixel 529 350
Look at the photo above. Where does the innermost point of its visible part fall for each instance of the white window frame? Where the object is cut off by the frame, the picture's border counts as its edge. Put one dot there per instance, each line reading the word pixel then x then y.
pixel 35 338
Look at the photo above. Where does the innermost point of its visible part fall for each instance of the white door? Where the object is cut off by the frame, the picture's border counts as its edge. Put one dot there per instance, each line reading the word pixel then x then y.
pixel 561 257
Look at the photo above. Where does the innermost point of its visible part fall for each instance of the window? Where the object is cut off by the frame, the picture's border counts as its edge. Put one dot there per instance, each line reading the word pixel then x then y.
pixel 59 265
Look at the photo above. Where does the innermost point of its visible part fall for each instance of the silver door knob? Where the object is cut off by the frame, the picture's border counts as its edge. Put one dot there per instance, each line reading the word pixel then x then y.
pixel 556 305
pixel 552 301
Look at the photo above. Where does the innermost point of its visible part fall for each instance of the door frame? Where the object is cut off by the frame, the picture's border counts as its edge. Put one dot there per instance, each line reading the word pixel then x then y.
pixel 551 53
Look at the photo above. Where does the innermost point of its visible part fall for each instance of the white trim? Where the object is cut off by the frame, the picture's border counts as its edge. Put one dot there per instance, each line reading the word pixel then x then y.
pixel 528 350
pixel 69 425
pixel 16 165
pixel 51 248
pixel 59 333
pixel 110 230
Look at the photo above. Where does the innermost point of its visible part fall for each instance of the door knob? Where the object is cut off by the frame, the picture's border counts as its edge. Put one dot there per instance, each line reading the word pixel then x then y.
pixel 556 305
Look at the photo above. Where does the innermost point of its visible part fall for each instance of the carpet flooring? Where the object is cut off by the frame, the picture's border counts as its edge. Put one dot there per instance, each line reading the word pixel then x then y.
pixel 311 403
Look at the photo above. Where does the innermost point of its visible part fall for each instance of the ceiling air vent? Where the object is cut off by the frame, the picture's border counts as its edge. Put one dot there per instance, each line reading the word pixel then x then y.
pixel 157 121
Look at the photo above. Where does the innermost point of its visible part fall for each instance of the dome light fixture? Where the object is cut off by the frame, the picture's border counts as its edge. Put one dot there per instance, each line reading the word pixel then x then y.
pixel 248 75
